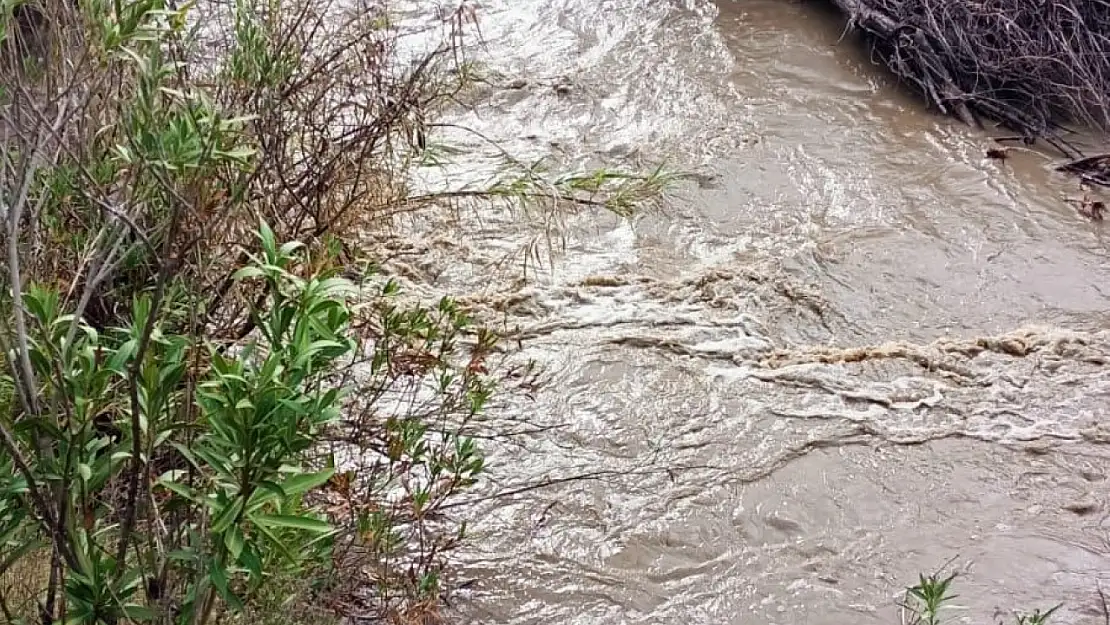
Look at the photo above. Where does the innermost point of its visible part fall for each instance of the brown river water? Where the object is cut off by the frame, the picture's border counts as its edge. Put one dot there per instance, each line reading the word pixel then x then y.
pixel 855 350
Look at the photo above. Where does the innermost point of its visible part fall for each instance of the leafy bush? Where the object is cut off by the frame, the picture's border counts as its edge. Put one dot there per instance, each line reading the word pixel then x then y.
pixel 201 495
pixel 209 415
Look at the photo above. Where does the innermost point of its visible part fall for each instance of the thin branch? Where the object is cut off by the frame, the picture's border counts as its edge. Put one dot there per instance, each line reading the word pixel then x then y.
pixel 14 213
pixel 41 504
pixel 101 269
pixel 137 464
pixel 8 617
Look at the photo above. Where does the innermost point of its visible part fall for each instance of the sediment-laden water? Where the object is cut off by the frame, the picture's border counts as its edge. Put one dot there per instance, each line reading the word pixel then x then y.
pixel 855 349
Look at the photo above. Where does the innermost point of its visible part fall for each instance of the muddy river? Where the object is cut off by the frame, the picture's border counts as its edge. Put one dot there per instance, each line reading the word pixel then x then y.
pixel 855 350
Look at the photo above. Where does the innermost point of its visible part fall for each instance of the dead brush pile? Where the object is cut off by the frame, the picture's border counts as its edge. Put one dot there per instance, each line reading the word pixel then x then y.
pixel 1038 67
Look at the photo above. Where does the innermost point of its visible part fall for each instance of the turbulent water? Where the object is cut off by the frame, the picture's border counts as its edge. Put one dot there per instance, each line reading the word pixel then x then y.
pixel 855 350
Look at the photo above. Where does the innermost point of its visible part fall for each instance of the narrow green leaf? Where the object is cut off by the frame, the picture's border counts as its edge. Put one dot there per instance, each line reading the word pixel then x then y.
pixel 289 247
pixel 269 243
pixel 178 489
pixel 277 542
pixel 218 577
pixel 227 515
pixel 250 561
pixel 233 540
pixel 218 462
pixel 139 613
pixel 304 482
pixel 241 154
pixel 182 555
pixel 267 492
pixel 247 272
pixel 296 522
pixel 118 361
pixel 129 581
pixel 187 453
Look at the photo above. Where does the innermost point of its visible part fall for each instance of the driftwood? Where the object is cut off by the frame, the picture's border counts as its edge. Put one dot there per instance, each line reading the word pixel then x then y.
pixel 1034 66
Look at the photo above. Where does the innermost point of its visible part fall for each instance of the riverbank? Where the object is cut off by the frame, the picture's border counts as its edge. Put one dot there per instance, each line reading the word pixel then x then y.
pixel 1039 70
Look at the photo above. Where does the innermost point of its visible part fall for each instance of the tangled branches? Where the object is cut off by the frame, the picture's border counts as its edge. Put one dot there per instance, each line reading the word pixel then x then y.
pixel 1031 65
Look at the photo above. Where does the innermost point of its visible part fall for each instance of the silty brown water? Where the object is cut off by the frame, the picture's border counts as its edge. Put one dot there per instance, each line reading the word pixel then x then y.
pixel 856 349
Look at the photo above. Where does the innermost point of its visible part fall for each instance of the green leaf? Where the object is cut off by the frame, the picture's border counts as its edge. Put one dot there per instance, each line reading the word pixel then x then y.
pixel 124 153
pixel 267 491
pixel 269 243
pixel 296 522
pixel 182 555
pixel 247 272
pixel 36 306
pixel 218 577
pixel 253 564
pixel 218 462
pixel 289 247
pixel 304 482
pixel 240 154
pixel 178 488
pixel 85 471
pixel 227 515
pixel 233 540
pixel 277 542
pixel 129 581
pixel 163 436
pixel 118 361
pixel 139 613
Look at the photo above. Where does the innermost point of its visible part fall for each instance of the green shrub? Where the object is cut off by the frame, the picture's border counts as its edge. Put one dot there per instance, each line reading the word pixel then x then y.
pixel 177 443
